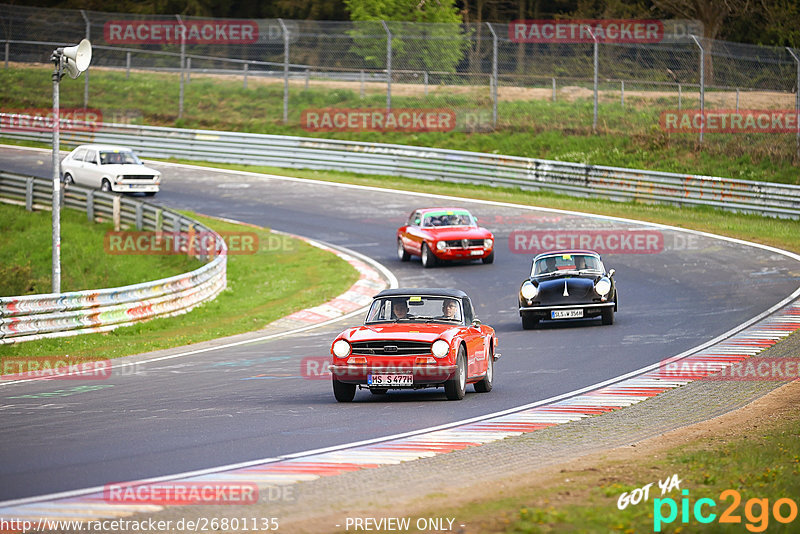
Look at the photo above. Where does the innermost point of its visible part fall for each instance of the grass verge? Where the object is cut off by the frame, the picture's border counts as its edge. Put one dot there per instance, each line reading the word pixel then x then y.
pixel 262 287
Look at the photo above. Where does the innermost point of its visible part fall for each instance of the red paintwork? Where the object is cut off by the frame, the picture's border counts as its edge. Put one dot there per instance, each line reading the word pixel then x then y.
pixel 413 236
pixel 478 341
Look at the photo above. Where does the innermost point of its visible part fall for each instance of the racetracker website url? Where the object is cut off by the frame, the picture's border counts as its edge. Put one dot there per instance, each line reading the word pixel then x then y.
pixel 200 524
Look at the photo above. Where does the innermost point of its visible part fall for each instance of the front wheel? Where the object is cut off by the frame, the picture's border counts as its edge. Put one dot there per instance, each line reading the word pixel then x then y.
pixel 529 321
pixel 105 186
pixel 488 259
pixel 401 251
pixel 68 180
pixel 608 315
pixel 485 385
pixel 456 387
pixel 428 259
pixel 343 392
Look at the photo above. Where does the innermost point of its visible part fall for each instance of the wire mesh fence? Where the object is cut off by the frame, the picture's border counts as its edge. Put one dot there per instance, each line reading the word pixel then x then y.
pixel 481 77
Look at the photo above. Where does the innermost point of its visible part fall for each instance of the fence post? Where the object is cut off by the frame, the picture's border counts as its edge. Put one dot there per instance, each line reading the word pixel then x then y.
pixel 737 100
pixel 308 75
pixel 680 97
pixel 362 84
pixel 596 68
pixel 425 77
pixel 7 52
pixel 127 65
pixel 388 66
pixel 285 71
pixel 702 87
pixel 244 76
pixel 86 79
pixel 622 92
pixel 183 58
pixel 494 75
pixel 796 102
pixel 554 88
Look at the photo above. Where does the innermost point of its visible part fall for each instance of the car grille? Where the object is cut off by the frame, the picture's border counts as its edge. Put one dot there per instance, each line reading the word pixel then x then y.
pixel 464 243
pixel 138 177
pixel 390 348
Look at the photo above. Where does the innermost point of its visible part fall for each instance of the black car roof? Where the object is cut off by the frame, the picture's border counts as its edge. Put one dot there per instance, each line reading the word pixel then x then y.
pixel 422 292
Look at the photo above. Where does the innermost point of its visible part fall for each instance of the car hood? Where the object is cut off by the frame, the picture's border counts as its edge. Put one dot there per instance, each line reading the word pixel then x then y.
pixel 577 287
pixel 400 331
pixel 458 232
pixel 130 169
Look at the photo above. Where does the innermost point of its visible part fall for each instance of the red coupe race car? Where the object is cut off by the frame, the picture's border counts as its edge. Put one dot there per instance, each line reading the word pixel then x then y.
pixel 413 339
pixel 444 234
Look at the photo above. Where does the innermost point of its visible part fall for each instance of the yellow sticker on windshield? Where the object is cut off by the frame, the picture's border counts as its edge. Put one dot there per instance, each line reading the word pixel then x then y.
pixel 415 299
pixel 450 213
pixel 566 257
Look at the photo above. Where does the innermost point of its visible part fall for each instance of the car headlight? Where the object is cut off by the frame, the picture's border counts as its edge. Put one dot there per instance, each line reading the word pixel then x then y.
pixel 441 245
pixel 528 290
pixel 341 348
pixel 603 286
pixel 487 243
pixel 440 348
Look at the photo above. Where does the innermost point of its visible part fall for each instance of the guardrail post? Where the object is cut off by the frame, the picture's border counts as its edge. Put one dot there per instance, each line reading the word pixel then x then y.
pixel 388 66
pixel 116 212
pixel 176 224
pixel 90 206
pixel 139 215
pixel 285 71
pixel 159 221
pixel 29 194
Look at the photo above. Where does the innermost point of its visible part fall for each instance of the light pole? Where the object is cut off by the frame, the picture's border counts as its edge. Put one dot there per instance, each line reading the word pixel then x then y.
pixel 72 60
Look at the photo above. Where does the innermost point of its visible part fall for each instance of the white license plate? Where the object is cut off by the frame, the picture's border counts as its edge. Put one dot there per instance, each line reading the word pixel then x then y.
pixel 476 252
pixel 390 380
pixel 566 314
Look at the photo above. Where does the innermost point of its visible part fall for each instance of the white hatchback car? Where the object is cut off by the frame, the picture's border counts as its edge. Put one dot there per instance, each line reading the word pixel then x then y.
pixel 111 168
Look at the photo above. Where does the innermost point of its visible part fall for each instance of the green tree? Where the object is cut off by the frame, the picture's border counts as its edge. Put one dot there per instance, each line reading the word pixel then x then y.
pixel 439 45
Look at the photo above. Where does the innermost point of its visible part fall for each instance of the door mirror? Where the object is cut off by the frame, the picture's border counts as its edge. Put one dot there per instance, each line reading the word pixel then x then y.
pixel 611 273
pixel 476 323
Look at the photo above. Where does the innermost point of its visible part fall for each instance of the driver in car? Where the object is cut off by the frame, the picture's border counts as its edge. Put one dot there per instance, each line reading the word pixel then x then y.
pixel 449 309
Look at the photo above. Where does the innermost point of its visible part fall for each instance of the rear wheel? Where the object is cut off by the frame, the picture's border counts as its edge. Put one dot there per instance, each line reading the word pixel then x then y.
pixel 485 385
pixel 343 392
pixel 401 251
pixel 428 259
pixel 489 259
pixel 457 386
pixel 529 321
pixel 608 315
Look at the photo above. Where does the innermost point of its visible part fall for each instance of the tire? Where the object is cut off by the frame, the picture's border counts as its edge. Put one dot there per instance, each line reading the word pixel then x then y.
pixel 428 259
pixel 343 392
pixel 379 391
pixel 529 321
pixel 608 316
pixel 401 251
pixel 456 387
pixel 488 259
pixel 105 186
pixel 68 180
pixel 485 385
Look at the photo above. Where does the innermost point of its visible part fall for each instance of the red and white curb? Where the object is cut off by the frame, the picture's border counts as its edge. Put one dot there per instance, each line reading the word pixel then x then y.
pixel 286 470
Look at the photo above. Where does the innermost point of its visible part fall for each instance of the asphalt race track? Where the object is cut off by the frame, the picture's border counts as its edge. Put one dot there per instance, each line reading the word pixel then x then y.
pixel 251 401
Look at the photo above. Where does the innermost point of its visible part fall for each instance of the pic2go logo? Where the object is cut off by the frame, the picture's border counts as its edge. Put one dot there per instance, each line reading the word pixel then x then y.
pixel 756 511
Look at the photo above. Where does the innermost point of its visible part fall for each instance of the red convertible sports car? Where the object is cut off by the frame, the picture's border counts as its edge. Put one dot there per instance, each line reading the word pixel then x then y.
pixel 444 234
pixel 413 339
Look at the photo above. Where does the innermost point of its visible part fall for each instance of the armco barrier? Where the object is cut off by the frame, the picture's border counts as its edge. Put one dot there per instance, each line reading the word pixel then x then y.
pixel 435 164
pixel 65 314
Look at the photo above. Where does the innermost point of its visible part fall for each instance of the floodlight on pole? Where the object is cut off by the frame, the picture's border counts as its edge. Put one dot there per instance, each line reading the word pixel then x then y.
pixel 72 60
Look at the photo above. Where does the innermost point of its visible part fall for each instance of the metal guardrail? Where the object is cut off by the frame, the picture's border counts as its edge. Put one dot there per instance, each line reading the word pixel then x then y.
pixel 30 317
pixel 575 179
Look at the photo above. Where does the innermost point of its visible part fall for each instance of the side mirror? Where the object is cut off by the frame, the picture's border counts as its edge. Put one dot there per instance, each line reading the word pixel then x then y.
pixel 476 323
pixel 611 273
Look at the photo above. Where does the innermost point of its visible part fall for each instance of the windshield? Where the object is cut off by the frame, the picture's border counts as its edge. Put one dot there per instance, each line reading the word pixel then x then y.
pixel 118 157
pixel 566 262
pixel 448 218
pixel 415 309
